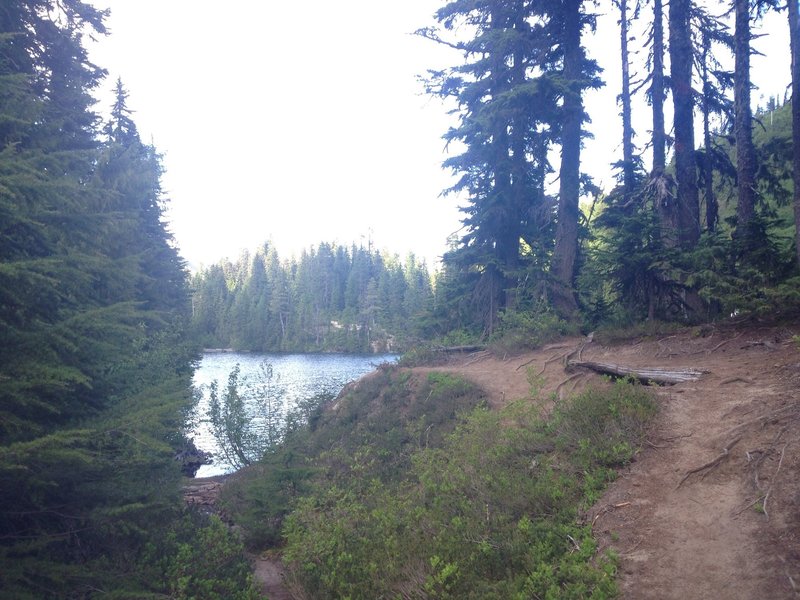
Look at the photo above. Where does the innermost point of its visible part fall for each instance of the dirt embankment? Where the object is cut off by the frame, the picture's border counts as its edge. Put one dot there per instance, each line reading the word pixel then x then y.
pixel 711 506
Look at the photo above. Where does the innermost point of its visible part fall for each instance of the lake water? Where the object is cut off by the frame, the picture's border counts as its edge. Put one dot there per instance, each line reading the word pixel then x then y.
pixel 296 376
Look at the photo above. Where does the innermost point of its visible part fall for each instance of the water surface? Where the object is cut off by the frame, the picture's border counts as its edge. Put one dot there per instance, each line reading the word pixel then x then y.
pixel 296 377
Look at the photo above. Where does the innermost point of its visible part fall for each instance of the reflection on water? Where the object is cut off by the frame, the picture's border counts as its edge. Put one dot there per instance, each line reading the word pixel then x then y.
pixel 297 376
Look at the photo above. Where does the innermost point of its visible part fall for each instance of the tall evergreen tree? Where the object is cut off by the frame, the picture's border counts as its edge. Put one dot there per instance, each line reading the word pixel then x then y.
pixel 94 371
pixel 660 184
pixel 657 90
pixel 681 63
pixel 743 122
pixel 566 243
pixel 710 35
pixel 499 110
pixel 794 40
pixel 629 163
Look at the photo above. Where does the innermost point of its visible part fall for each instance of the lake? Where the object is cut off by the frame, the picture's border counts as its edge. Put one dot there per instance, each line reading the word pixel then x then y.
pixel 296 376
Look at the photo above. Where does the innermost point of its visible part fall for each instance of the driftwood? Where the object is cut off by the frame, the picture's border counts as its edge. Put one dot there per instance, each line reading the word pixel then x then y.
pixel 644 374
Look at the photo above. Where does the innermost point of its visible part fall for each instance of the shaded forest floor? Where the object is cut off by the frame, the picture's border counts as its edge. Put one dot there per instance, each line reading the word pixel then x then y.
pixel 710 508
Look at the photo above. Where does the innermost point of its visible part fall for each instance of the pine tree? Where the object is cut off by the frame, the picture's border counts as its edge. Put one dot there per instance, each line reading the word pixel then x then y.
pixel 681 61
pixel 743 122
pixel 496 113
pixel 657 90
pixel 94 369
pixel 710 35
pixel 566 244
pixel 518 91
pixel 794 39
pixel 629 163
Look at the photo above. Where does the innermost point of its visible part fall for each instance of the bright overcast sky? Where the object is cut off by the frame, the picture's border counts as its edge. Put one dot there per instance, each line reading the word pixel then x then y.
pixel 302 122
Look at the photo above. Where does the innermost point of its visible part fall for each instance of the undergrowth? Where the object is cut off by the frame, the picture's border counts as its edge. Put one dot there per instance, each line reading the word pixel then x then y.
pixel 414 489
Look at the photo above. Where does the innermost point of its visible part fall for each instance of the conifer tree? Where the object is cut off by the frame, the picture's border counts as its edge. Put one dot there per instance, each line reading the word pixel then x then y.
pixel 566 243
pixel 743 122
pixel 94 370
pixel 794 39
pixel 681 63
pixel 629 163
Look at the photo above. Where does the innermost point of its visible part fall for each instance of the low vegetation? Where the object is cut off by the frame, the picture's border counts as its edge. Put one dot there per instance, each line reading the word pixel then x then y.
pixel 408 486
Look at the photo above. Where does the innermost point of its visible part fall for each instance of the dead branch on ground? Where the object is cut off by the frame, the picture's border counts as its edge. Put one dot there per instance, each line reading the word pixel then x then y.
pixel 477 357
pixel 661 346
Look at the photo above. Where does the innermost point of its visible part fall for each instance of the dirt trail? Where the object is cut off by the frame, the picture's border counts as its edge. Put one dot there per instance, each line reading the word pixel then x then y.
pixel 729 530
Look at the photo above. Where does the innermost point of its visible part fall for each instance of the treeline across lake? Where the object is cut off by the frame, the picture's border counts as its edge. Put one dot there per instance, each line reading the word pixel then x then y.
pixel 331 298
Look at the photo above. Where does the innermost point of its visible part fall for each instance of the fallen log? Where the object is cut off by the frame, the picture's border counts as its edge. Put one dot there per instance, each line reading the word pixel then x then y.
pixel 469 348
pixel 644 374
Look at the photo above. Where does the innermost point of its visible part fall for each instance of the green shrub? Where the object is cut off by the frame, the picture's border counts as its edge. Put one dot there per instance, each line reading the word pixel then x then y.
pixel 201 558
pixel 488 512
pixel 523 330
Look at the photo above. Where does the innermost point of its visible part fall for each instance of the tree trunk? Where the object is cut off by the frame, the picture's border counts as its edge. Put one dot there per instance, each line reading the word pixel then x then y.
pixel 505 231
pixel 566 244
pixel 681 61
pixel 628 172
pixel 794 39
pixel 657 91
pixel 660 375
pixel 712 208
pixel 663 201
pixel 743 121
pixel 519 171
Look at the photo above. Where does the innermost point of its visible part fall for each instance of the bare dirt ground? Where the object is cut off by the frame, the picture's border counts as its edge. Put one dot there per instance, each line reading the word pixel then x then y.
pixel 711 506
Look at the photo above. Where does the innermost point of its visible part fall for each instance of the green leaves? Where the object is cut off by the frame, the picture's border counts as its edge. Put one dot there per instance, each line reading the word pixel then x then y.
pixel 486 511
pixel 94 367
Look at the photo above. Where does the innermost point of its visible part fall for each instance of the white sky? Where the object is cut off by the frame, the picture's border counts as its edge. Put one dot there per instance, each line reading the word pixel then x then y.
pixel 302 122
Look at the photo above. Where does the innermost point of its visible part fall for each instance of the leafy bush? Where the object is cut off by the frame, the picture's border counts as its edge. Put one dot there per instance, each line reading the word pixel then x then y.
pixel 489 512
pixel 368 434
pixel 249 418
pixel 522 330
pixel 201 558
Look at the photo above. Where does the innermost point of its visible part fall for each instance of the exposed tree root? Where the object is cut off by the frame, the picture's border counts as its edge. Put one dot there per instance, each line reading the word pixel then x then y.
pixel 706 468
pixel 721 344
pixel 477 357
pixel 660 345
pixel 563 383
pixel 772 482
pixel 735 379
pixel 552 359
pixel 792 410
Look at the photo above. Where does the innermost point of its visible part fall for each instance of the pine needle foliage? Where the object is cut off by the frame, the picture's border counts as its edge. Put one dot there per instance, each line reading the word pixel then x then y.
pixel 95 366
